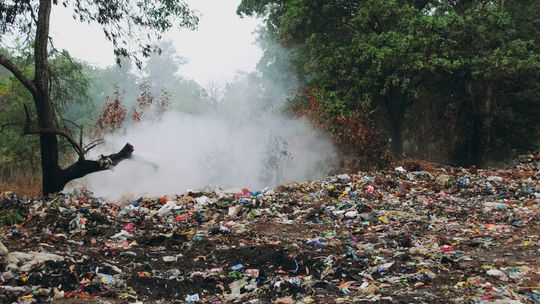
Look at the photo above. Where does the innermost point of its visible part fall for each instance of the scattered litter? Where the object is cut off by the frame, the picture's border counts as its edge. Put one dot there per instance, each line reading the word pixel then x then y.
pixel 394 236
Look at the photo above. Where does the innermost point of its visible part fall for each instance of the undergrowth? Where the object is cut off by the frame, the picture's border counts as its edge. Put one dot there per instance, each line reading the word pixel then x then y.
pixel 23 186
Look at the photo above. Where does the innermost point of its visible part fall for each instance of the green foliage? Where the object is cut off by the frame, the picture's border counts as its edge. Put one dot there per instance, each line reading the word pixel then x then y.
pixel 473 65
pixel 19 155
pixel 145 19
pixel 10 218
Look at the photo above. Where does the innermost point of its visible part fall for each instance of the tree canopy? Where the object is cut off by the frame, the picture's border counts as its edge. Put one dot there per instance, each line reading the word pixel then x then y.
pixel 450 80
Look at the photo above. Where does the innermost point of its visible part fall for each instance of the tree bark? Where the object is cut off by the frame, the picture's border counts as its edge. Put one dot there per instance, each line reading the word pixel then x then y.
pixel 397 137
pixel 395 111
pixel 481 110
pixel 487 122
pixel 83 167
pixel 42 100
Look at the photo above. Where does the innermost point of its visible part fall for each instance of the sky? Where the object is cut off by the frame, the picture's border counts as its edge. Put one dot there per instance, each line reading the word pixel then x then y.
pixel 223 43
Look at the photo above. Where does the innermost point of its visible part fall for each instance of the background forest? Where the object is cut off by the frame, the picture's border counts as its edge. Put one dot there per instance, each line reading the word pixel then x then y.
pixel 453 82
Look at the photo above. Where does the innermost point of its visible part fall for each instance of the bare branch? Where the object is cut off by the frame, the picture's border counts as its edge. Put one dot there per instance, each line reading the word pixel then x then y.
pixel 97 142
pixel 92 145
pixel 81 137
pixel 79 147
pixel 8 64
pixel 32 13
pixel 9 124
pixel 89 146
pixel 62 133
pixel 28 129
pixel 72 122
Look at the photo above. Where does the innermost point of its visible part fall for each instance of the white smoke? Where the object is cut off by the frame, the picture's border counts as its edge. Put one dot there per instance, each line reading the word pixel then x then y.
pixel 208 151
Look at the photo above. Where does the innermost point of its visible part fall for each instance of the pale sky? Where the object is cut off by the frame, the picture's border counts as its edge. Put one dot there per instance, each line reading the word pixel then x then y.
pixel 222 45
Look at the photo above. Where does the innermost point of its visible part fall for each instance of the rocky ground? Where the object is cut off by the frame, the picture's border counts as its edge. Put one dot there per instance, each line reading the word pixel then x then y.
pixel 443 235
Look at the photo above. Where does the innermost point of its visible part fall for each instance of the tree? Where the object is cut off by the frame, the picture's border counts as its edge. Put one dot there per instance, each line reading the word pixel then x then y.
pixel 19 161
pixel 131 26
pixel 161 73
pixel 465 71
pixel 162 69
pixel 352 50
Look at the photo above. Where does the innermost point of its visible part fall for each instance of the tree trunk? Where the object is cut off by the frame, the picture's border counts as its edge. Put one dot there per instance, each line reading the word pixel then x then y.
pixel 487 122
pixel 478 138
pixel 49 164
pixel 42 100
pixel 395 111
pixel 397 137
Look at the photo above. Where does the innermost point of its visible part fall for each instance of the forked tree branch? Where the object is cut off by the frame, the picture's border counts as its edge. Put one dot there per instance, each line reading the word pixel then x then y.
pixel 29 129
pixel 81 167
pixel 9 124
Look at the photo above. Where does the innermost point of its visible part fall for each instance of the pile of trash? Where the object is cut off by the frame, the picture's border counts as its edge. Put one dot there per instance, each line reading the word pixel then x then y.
pixel 396 236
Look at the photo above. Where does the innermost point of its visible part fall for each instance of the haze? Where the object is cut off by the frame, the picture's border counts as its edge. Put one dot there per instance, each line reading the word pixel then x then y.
pixel 223 43
pixel 244 140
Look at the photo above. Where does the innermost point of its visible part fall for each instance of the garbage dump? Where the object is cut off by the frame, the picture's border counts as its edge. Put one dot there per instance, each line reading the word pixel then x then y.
pixel 406 235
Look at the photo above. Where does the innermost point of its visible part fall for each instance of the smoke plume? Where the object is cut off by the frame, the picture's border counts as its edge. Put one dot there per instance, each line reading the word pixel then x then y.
pixel 186 151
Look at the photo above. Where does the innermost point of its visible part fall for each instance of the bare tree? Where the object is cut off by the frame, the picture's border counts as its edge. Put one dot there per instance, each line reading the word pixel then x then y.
pixel 213 93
